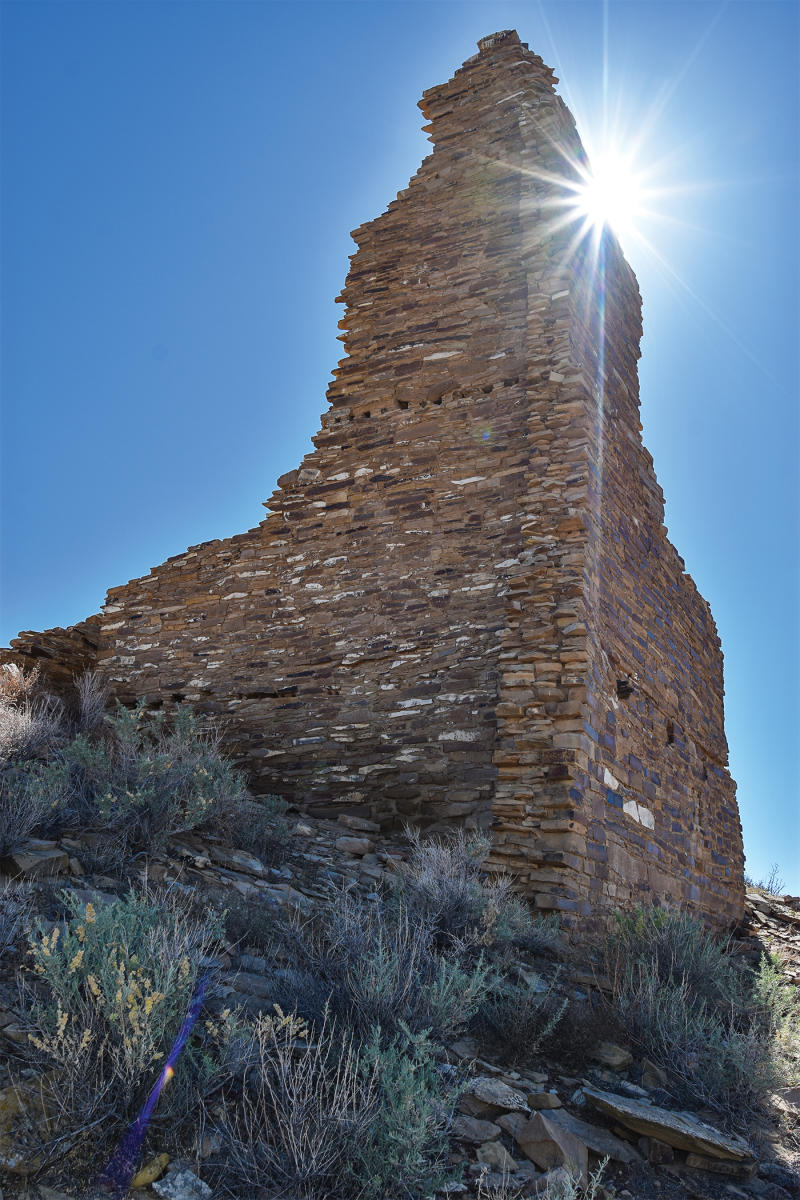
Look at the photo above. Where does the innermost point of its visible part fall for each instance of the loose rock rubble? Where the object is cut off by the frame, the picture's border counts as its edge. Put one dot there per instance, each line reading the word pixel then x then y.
pixel 772 924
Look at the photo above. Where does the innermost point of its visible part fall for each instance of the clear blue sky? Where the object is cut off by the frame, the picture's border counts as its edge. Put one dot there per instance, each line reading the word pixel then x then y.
pixel 179 182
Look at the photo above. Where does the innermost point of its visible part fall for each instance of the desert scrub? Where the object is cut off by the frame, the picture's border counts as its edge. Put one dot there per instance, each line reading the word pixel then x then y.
pixel 258 824
pixel 16 907
pixel 442 884
pixel 111 985
pixel 26 810
pixel 519 1017
pixel 773 885
pixel 719 1030
pixel 142 780
pixel 406 1149
pixel 32 722
pixel 318 1116
pixel 250 923
pixel 378 966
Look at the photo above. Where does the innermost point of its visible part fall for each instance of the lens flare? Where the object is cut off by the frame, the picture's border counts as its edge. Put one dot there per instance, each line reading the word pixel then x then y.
pixel 611 193
pixel 115 1179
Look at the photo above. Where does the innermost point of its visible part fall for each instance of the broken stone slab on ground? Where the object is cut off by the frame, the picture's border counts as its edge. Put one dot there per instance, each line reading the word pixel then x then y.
pixel 473 1129
pixel 599 1141
pixel 679 1129
pixel 486 1096
pixel 494 1154
pixel 543 1100
pixel 182 1185
pixel 547 1143
pixel 35 860
pixel 354 845
pixel 236 860
pixel 361 824
pixel 721 1166
pixel 611 1055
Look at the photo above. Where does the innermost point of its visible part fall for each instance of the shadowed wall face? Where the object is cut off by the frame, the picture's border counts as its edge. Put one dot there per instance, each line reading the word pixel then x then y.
pixel 437 618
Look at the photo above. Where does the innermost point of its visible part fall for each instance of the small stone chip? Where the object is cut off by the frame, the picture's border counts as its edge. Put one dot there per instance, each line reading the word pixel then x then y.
pixel 182 1185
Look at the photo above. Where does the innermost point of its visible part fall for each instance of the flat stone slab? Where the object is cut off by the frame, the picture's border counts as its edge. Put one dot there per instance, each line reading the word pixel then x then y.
pixel 487 1094
pixel 611 1055
pixel 681 1130
pixel 599 1141
pixel 36 859
pixel 182 1185
pixel 551 1145
pixel 473 1129
pixel 237 860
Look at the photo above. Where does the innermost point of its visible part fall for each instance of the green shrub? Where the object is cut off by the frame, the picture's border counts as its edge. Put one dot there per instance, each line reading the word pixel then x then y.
pixel 708 1020
pixel 300 1111
pixel 16 906
pixel 405 1150
pixel 318 1117
pixel 91 703
pixel 775 1014
pixel 381 967
pixel 250 923
pixel 32 722
pixel 142 781
pixel 442 884
pixel 259 825
pixel 679 952
pixel 112 985
pixel 518 1018
pixel 25 809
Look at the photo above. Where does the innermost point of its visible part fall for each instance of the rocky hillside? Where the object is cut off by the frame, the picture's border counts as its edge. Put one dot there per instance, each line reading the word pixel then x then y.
pixel 354 1017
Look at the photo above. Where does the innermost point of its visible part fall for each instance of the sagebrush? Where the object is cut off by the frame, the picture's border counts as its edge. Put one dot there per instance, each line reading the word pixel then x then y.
pixel 133 780
pixel 111 985
pixel 443 885
pixel 318 1115
pixel 720 1031
pixel 517 1017
pixel 375 966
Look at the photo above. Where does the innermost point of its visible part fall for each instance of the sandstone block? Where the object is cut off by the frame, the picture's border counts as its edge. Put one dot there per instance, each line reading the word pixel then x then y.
pixel 681 1130
pixel 548 1145
pixel 354 845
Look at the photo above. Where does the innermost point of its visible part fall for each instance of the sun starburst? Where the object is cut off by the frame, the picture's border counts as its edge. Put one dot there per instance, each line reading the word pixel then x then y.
pixel 610 193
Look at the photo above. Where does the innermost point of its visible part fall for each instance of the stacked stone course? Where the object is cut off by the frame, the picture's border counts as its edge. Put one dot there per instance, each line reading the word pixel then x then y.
pixel 463 605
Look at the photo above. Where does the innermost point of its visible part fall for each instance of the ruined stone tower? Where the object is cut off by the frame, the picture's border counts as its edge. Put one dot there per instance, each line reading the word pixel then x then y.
pixel 463 606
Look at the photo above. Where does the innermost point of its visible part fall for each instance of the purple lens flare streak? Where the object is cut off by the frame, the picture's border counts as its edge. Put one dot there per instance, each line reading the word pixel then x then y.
pixel 117 1176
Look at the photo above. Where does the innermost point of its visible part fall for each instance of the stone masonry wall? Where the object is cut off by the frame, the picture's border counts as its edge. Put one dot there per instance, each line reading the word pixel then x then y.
pixel 60 655
pixel 463 606
pixel 630 799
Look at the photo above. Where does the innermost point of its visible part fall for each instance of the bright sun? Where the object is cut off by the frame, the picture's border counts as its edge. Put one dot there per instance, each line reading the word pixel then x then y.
pixel 610 194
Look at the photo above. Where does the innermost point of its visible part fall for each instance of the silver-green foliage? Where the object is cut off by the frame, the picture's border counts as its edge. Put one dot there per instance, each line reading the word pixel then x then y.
pixel 143 779
pixel 520 1016
pixel 443 884
pixel 717 1028
pixel 381 967
pixel 405 1153
pixel 111 984
pixel 318 1115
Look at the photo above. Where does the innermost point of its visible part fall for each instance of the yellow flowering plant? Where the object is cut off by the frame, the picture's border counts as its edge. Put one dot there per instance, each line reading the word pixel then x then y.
pixel 113 982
